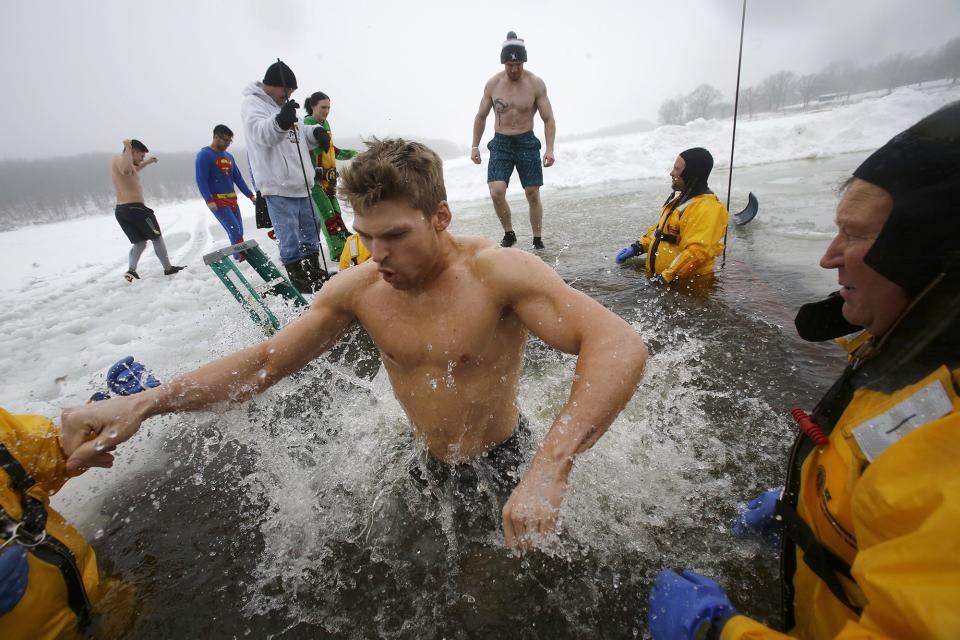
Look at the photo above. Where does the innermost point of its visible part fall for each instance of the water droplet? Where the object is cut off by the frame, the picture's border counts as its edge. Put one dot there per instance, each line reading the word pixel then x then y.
pixel 99 446
pixel 429 347
pixel 262 374
pixel 112 433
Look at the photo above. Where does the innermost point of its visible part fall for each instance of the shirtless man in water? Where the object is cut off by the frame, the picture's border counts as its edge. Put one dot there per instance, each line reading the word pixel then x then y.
pixel 437 306
pixel 515 95
pixel 136 220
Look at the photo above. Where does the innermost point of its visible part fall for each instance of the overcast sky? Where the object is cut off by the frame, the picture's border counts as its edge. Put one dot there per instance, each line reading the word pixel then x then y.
pixel 81 76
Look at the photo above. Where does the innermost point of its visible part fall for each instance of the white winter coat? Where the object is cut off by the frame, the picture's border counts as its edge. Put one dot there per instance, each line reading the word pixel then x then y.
pixel 272 151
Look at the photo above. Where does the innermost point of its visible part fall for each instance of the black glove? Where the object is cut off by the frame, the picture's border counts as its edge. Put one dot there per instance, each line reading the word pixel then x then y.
pixel 287 115
pixel 322 137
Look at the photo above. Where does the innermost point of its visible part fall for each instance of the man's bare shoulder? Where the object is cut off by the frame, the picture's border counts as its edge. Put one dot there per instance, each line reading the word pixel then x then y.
pixel 346 288
pixel 534 80
pixel 492 83
pixel 499 266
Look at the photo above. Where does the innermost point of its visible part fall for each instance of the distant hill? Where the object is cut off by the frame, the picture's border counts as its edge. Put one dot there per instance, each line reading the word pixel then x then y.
pixel 634 126
pixel 444 148
pixel 53 189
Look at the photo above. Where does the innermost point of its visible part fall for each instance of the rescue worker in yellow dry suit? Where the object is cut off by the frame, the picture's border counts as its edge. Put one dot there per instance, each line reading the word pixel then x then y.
pixel 354 252
pixel 870 512
pixel 688 236
pixel 50 586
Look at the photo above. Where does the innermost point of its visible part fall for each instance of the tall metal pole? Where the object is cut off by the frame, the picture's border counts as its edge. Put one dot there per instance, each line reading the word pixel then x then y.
pixel 306 183
pixel 733 142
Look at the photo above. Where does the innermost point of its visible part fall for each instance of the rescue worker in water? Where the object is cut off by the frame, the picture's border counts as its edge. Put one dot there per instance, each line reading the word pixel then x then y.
pixel 50 586
pixel 869 514
pixel 688 236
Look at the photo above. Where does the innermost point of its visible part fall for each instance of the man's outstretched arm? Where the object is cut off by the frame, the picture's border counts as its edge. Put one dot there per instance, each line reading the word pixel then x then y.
pixel 146 163
pixel 609 367
pixel 90 430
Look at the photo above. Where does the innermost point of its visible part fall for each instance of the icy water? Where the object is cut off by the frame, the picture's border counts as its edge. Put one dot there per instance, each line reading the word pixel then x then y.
pixel 267 521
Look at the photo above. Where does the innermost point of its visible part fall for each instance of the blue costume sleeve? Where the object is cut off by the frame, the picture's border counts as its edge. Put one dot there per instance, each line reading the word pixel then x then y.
pixel 238 178
pixel 203 174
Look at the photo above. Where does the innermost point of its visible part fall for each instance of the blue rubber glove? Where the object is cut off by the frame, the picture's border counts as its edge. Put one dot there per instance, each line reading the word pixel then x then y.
pixel 125 377
pixel 626 253
pixel 13 576
pixel 757 517
pixel 658 281
pixel 680 605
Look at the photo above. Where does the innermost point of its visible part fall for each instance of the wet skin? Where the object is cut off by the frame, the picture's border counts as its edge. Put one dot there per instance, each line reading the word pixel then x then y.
pixel 450 317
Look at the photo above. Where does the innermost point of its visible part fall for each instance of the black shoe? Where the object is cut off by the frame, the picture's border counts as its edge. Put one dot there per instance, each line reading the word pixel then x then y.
pixel 172 270
pixel 315 273
pixel 131 275
pixel 298 277
pixel 509 239
pixel 537 243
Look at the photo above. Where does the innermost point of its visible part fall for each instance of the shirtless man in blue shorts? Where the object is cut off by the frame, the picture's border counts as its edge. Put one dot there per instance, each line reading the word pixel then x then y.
pixel 515 95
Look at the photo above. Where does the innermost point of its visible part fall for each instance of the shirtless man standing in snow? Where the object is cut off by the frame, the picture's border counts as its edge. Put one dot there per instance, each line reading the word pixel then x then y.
pixel 438 307
pixel 515 95
pixel 136 220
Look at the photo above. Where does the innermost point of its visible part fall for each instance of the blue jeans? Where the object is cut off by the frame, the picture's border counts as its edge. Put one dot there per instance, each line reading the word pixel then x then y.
pixel 296 227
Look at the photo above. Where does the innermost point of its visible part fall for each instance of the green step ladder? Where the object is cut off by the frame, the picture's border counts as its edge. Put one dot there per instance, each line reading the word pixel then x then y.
pixel 274 282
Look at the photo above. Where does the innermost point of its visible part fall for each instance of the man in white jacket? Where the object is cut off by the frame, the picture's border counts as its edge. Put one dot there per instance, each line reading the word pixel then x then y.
pixel 279 152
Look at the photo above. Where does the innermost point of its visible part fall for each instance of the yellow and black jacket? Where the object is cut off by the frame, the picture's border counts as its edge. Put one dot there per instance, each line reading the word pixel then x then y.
pixel 686 238
pixel 63 578
pixel 872 520
pixel 354 252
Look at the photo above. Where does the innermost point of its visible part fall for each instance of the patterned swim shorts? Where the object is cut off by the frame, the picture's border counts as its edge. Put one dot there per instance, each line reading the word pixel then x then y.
pixel 521 151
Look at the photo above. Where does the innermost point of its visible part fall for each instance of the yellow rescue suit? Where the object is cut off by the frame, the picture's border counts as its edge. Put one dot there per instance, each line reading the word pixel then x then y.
pixel 56 597
pixel 353 252
pixel 686 239
pixel 883 497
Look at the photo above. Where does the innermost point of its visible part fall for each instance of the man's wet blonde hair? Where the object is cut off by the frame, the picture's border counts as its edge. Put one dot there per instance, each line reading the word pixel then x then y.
pixel 394 169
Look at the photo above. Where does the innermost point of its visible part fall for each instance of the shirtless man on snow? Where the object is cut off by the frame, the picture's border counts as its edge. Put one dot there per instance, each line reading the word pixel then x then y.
pixel 515 95
pixel 136 219
pixel 436 305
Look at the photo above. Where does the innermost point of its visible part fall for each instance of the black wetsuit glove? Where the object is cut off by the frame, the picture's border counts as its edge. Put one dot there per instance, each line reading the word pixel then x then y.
pixel 322 137
pixel 287 115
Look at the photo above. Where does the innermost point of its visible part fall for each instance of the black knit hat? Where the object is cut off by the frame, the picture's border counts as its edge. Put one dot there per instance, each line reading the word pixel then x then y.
pixel 920 169
pixel 513 49
pixel 280 75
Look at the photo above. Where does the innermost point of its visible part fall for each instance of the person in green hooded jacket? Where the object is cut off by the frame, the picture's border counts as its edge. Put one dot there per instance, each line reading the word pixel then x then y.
pixel 324 191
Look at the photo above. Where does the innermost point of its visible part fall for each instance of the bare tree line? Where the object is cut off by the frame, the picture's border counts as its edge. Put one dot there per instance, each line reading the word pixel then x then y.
pixel 834 82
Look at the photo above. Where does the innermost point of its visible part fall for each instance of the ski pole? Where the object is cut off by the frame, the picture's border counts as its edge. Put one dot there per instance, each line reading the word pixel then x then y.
pixel 733 142
pixel 303 168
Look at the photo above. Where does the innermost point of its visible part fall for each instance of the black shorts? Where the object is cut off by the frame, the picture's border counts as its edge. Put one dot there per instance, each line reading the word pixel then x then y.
pixel 138 222
pixel 439 499
pixel 500 465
